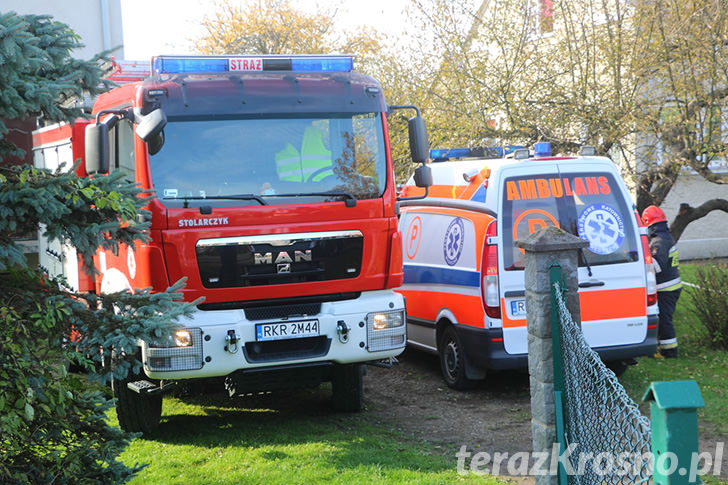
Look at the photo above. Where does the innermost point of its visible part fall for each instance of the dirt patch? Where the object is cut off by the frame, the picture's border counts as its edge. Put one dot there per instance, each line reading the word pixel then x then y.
pixel 412 398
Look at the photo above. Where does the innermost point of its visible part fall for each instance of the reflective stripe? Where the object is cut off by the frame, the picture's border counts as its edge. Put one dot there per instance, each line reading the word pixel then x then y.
pixel 671 285
pixel 290 175
pixel 667 344
pixel 288 164
pixel 314 155
pixel 656 265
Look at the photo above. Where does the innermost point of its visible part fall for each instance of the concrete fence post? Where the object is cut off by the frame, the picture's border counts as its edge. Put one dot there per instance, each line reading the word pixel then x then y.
pixel 542 249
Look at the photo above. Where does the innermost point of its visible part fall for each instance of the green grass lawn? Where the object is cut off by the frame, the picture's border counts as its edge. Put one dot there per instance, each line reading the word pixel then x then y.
pixel 270 440
pixel 219 441
pixel 709 368
pixel 696 361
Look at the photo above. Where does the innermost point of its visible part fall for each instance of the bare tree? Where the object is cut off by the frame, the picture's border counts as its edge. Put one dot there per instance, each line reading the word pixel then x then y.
pixel 645 81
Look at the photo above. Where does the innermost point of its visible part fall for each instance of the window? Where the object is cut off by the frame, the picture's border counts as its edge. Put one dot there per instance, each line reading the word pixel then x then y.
pixel 588 205
pixel 121 149
pixel 280 160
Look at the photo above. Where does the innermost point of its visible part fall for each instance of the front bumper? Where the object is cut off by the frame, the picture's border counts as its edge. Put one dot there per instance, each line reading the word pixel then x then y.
pixel 224 341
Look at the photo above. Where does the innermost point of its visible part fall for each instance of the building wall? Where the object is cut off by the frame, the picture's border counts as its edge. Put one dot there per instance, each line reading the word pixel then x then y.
pixel 97 22
pixel 706 237
pixel 99 25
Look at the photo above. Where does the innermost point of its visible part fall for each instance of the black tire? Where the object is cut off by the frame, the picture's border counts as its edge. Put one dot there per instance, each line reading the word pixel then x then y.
pixel 137 413
pixel 452 361
pixel 617 366
pixel 347 384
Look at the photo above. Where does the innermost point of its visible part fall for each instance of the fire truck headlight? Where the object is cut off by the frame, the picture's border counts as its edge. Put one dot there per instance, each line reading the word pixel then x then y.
pixel 181 351
pixel 385 330
pixel 182 338
pixel 383 321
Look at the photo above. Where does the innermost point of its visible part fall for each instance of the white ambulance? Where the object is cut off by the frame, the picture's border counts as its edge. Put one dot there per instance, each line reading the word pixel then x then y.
pixel 464 276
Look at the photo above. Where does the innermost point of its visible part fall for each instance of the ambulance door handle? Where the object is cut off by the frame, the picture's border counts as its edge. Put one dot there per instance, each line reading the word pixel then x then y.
pixel 514 294
pixel 591 284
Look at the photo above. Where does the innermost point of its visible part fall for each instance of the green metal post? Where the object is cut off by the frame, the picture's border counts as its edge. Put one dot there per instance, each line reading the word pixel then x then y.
pixel 674 423
pixel 555 276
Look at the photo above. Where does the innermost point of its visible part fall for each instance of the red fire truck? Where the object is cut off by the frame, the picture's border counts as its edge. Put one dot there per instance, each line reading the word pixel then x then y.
pixel 275 198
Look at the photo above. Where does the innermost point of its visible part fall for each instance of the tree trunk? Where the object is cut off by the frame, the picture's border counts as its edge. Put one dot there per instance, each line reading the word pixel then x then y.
pixel 687 214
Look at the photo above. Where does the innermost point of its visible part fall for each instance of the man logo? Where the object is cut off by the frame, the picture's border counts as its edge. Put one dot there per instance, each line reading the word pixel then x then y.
pixel 283 257
pixel 284 268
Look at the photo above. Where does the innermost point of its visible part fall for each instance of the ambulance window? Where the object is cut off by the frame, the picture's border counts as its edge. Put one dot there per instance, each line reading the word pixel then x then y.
pixel 588 205
pixel 602 216
pixel 528 207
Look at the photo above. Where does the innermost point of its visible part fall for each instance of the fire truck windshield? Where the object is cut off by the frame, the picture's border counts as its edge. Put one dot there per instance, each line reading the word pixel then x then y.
pixel 212 161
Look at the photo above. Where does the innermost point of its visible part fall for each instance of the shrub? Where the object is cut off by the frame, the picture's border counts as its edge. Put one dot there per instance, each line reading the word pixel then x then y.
pixel 53 426
pixel 709 302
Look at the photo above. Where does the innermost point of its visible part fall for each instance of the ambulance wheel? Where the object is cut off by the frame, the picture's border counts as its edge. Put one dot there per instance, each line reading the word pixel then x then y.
pixel 347 384
pixel 136 412
pixel 617 366
pixel 452 361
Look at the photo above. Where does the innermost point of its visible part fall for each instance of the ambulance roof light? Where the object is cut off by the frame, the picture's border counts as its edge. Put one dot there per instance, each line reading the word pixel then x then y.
pixel 542 149
pixel 225 64
pixel 521 154
pixel 588 151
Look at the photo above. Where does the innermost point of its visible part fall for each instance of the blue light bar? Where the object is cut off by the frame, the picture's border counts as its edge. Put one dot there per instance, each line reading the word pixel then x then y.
pixel 439 153
pixel 176 65
pixel 512 148
pixel 221 64
pixel 475 152
pixel 323 64
pixel 542 149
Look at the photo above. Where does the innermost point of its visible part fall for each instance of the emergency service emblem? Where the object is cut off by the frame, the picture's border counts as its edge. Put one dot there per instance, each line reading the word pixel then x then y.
pixel 603 227
pixel 453 245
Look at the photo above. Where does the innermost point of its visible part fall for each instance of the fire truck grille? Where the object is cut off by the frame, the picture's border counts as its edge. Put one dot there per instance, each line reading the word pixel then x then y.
pixel 282 311
pixel 279 259
pixel 288 349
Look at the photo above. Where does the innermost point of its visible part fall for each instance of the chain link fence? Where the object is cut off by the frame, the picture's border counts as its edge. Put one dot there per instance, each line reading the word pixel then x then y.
pixel 604 425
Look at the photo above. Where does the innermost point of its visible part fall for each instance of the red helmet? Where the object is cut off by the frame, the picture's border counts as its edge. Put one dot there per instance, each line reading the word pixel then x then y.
pixel 652 215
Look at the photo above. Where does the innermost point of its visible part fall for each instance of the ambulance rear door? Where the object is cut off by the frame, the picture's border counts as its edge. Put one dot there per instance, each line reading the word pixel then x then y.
pixel 521 211
pixel 612 278
pixel 589 201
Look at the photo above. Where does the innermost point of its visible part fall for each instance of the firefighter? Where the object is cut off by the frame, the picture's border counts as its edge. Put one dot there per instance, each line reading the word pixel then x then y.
pixel 311 164
pixel 288 164
pixel 669 284
pixel 315 157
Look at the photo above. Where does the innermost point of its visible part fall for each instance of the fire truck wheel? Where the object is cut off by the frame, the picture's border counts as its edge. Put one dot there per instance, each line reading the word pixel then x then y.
pixel 452 361
pixel 136 412
pixel 347 384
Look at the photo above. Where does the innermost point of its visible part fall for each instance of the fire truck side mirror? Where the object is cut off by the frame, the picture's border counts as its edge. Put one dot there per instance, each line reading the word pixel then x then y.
pixel 96 157
pixel 423 176
pixel 419 146
pixel 151 125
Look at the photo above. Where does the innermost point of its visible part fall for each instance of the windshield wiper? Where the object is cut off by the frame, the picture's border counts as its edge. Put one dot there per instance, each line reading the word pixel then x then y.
pixel 254 197
pixel 350 199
